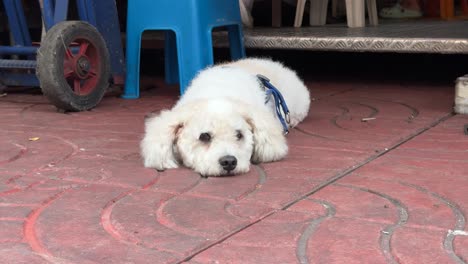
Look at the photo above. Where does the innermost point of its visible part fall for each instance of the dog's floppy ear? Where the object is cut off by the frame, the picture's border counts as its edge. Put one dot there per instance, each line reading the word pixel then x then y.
pixel 160 133
pixel 269 140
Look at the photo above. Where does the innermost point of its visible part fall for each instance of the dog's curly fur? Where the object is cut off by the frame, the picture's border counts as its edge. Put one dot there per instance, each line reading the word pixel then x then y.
pixel 225 103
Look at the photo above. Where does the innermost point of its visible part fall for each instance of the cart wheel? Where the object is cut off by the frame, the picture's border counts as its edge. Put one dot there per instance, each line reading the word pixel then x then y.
pixel 73 66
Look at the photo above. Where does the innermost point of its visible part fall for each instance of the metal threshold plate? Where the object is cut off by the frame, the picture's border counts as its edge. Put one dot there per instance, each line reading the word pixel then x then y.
pixel 410 36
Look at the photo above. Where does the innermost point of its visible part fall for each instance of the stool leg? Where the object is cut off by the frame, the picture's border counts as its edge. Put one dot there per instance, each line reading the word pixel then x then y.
pixel 132 79
pixel 299 13
pixel 236 42
pixel 372 12
pixel 464 5
pixel 355 12
pixel 276 13
pixel 318 12
pixel 170 58
pixel 195 52
pixel 446 9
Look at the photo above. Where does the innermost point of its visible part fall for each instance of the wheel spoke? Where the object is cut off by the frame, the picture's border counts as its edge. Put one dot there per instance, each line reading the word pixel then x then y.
pixel 83 48
pixel 77 85
pixel 91 74
pixel 69 53
pixel 67 73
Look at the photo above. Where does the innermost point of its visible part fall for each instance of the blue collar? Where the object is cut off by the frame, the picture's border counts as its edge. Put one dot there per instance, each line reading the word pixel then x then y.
pixel 280 104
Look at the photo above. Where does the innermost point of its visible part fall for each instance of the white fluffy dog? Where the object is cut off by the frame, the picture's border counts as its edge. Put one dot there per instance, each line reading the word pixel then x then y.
pixel 222 123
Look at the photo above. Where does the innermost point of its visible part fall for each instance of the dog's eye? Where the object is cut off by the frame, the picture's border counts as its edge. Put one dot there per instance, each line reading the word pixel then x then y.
pixel 239 135
pixel 205 137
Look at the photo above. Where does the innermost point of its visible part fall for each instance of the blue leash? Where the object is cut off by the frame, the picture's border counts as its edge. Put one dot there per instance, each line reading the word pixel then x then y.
pixel 280 103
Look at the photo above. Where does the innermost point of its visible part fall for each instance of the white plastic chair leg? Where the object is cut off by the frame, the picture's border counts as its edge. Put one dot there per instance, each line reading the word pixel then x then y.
pixel 355 12
pixel 372 12
pixel 299 13
pixel 318 12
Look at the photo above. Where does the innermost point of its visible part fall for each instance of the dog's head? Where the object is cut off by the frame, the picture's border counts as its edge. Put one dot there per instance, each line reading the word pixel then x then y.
pixel 213 137
pixel 215 141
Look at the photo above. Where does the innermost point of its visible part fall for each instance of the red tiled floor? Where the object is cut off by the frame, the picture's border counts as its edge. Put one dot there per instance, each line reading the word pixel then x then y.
pixel 392 189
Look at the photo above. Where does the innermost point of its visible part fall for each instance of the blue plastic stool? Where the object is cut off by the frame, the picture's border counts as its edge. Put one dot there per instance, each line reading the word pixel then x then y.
pixel 188 42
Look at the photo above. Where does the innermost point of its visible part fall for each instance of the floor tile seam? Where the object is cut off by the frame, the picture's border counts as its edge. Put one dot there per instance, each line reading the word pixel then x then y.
pixel 324 184
pixel 52 129
pixel 422 173
pixel 315 147
pixel 428 158
pixel 373 157
pixel 408 225
pixel 461 140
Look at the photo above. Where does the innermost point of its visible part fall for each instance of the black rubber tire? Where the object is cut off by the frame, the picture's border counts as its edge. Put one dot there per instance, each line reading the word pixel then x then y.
pixel 50 65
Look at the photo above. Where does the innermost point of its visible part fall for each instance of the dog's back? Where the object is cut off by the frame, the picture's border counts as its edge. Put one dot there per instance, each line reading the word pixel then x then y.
pixel 224 82
pixel 238 80
pixel 286 80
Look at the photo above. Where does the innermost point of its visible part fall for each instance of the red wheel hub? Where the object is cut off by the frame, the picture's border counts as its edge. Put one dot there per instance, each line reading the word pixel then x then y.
pixel 81 67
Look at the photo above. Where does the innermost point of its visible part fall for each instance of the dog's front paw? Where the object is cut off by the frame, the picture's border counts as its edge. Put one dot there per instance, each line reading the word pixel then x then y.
pixel 158 157
pixel 270 150
pixel 161 165
pixel 164 166
pixel 269 154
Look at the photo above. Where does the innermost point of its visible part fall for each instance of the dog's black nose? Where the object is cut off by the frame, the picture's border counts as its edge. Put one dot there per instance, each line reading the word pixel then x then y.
pixel 228 163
